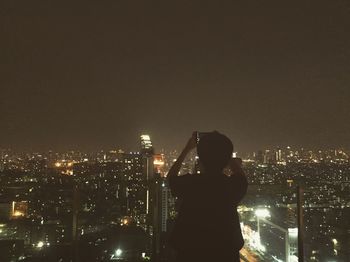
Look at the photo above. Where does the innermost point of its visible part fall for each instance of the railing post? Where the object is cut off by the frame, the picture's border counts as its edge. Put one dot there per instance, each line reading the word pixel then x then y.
pixel 300 199
pixel 75 223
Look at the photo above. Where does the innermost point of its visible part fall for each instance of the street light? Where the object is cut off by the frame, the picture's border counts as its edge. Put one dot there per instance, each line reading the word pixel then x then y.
pixel 118 252
pixel 40 244
pixel 261 213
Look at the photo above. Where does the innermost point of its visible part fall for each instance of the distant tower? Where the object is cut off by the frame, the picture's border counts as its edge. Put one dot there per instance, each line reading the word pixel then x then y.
pixel 146 145
pixel 267 156
pixel 147 153
pixel 152 163
pixel 278 155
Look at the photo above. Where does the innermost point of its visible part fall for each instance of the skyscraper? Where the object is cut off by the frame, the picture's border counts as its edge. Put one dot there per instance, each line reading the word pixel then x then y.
pixel 147 153
pixel 146 145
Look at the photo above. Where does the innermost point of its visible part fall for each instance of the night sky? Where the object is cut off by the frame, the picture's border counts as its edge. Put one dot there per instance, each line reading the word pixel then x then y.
pixel 96 74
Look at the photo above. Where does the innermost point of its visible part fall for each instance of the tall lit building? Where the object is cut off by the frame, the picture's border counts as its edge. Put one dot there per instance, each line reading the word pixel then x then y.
pixel 165 192
pixel 147 153
pixel 278 155
pixel 146 145
pixel 133 186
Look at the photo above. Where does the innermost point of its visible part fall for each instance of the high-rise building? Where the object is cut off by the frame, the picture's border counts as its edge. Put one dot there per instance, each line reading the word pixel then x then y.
pixel 146 145
pixel 147 153
pixel 278 154
pixel 134 184
pixel 165 192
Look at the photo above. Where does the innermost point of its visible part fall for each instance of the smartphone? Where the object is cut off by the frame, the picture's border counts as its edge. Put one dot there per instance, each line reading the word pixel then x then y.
pixel 200 135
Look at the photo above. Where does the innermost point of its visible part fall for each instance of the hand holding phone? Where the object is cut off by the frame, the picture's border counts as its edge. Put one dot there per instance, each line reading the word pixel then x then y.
pixel 199 135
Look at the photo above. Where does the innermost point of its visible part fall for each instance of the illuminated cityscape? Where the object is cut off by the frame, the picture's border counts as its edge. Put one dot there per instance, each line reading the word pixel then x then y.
pixel 98 99
pixel 112 205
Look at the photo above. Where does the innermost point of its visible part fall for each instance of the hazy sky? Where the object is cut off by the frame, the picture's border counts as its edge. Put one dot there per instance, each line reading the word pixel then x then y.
pixel 97 74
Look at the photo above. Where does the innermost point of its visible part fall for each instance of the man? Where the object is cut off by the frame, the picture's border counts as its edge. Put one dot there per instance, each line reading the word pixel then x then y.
pixel 207 227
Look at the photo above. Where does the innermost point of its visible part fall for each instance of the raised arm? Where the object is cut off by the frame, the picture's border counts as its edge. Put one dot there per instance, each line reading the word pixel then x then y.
pixel 175 169
pixel 239 179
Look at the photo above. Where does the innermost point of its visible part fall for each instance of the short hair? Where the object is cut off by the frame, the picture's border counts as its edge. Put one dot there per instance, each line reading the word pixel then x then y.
pixel 214 150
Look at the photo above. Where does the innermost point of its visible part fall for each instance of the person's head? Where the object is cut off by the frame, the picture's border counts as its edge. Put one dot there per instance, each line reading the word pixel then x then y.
pixel 214 151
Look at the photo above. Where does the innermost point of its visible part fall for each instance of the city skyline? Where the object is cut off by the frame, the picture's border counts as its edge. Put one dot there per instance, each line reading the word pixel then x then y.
pixel 96 76
pixel 111 201
pixel 162 150
pixel 99 102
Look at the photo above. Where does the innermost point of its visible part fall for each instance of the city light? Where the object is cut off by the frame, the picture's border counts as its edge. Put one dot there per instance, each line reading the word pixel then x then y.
pixel 262 213
pixel 40 244
pixel 125 221
pixel 118 252
pixel 145 137
pixel 19 209
pixel 146 142
pixel 255 242
pixel 158 162
pixel 106 175
pixel 17 214
pixel 293 232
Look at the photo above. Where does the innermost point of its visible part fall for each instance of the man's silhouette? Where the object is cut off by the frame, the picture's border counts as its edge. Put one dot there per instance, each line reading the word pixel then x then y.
pixel 207 227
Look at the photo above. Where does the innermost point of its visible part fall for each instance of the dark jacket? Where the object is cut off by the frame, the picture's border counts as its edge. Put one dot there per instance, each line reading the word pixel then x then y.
pixel 207 215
